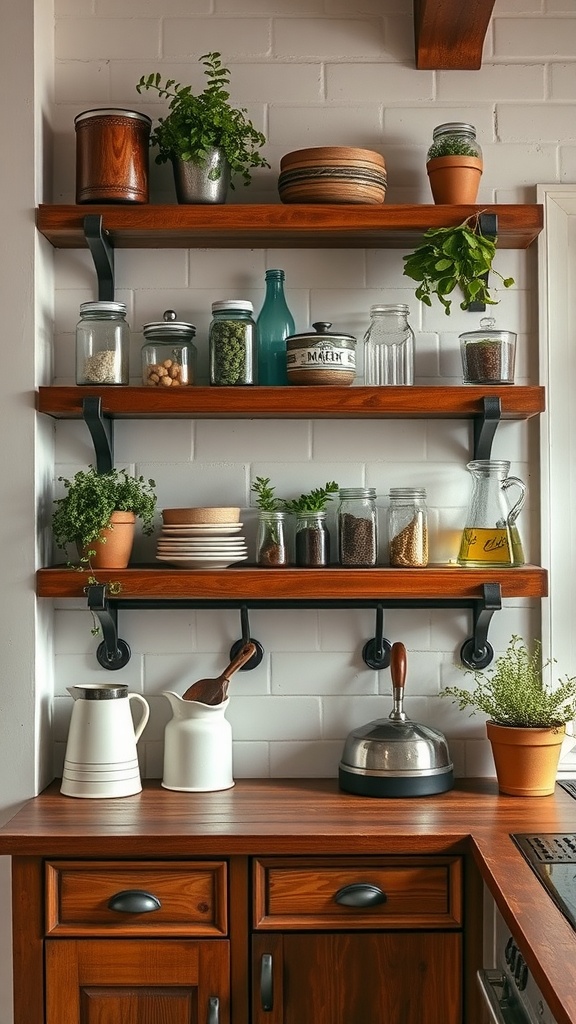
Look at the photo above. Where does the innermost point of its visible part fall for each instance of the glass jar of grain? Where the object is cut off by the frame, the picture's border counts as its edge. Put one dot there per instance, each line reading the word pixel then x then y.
pixel 408 527
pixel 102 343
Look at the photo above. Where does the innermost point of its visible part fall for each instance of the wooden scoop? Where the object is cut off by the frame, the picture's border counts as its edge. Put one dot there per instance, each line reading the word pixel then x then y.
pixel 214 691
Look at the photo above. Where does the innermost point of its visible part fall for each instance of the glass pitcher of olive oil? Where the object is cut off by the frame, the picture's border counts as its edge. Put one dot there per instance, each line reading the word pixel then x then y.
pixel 490 535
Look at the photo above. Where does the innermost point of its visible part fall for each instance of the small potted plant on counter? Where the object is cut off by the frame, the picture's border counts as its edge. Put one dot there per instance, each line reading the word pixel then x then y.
pixel 312 536
pixel 208 140
pixel 526 718
pixel 454 257
pixel 98 514
pixel 271 545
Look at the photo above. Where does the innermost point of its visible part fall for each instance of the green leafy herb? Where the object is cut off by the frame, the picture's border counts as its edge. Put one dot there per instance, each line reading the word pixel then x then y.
pixel 196 123
pixel 265 498
pixel 451 145
pixel 91 499
pixel 314 501
pixel 454 257
pixel 513 691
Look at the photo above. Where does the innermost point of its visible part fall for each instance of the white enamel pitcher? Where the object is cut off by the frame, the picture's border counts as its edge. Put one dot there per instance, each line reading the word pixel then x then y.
pixel 101 758
pixel 197 746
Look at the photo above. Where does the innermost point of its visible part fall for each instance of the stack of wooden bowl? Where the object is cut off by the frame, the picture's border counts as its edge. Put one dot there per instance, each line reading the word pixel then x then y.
pixel 332 174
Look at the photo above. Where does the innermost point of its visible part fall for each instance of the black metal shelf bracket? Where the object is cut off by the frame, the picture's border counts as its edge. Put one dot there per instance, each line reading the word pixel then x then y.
pixel 101 432
pixel 488 226
pixel 477 652
pixel 98 241
pixel 376 652
pixel 485 426
pixel 256 658
pixel 113 653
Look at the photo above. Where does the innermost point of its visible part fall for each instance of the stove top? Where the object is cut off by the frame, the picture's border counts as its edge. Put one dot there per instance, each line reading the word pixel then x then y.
pixel 552 856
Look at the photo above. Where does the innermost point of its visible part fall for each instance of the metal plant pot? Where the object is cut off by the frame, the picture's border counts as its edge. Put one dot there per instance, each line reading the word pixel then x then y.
pixel 205 182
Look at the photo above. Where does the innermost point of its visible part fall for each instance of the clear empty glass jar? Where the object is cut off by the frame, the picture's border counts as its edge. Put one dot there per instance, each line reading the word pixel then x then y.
pixel 389 346
pixel 169 355
pixel 357 527
pixel 102 343
pixel 408 527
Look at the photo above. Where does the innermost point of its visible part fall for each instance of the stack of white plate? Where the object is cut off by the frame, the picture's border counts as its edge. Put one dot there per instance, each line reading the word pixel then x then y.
pixel 202 546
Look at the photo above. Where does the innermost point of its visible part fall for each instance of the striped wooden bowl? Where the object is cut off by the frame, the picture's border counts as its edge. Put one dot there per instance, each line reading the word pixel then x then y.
pixel 332 174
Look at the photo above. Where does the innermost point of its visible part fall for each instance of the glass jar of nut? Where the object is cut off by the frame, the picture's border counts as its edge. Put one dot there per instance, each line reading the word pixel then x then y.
pixel 169 355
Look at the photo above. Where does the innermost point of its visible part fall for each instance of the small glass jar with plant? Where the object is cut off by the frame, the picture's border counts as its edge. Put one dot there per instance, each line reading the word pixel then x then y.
pixel 271 543
pixel 198 125
pixel 526 717
pixel 312 541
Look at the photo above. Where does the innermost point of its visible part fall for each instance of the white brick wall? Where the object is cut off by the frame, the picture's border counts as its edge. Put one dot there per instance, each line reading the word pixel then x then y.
pixel 310 73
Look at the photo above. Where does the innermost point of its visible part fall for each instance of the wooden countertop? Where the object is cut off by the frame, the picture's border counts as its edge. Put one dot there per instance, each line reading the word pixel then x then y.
pixel 311 816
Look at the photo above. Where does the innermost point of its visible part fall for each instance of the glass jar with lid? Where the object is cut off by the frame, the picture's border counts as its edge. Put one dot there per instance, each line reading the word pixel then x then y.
pixel 102 343
pixel 389 346
pixel 357 527
pixel 408 527
pixel 169 355
pixel 488 355
pixel 454 138
pixel 232 343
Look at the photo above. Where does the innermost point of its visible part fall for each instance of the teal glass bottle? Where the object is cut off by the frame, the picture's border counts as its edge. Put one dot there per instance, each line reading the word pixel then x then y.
pixel 275 322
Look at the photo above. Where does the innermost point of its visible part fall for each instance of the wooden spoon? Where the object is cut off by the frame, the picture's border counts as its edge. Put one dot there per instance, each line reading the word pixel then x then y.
pixel 214 691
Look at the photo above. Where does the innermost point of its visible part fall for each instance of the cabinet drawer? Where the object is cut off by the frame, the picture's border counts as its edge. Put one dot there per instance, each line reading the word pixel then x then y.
pixel 366 892
pixel 192 897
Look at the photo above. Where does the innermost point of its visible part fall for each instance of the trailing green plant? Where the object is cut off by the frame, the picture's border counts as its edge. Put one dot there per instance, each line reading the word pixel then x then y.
pixel 315 500
pixel 451 145
pixel 195 123
pixel 513 691
pixel 91 499
pixel 266 500
pixel 454 257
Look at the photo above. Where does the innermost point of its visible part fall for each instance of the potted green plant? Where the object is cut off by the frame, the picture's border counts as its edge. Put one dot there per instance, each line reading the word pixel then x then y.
pixel 312 537
pixel 454 163
pixel 526 718
pixel 454 257
pixel 271 545
pixel 98 515
pixel 207 140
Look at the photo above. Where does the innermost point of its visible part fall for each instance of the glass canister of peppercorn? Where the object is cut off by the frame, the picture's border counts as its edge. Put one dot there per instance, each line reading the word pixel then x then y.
pixel 408 527
pixel 232 342
pixel 357 527
pixel 488 355
pixel 102 343
pixel 312 540
pixel 169 355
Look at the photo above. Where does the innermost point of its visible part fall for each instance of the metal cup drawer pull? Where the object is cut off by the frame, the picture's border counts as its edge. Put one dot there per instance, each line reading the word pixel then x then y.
pixel 360 894
pixel 134 901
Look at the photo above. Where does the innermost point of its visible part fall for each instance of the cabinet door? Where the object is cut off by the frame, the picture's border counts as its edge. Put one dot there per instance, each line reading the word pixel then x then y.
pixel 158 981
pixel 400 977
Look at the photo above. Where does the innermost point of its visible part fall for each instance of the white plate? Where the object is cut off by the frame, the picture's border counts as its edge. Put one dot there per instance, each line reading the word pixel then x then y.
pixel 209 562
pixel 203 552
pixel 203 531
pixel 202 545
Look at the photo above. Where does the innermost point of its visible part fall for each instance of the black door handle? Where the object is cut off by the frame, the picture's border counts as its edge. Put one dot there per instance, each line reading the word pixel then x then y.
pixel 266 982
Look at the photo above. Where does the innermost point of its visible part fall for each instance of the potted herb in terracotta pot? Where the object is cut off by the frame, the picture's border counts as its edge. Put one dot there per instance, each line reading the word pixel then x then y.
pixel 98 514
pixel 454 163
pixel 206 138
pixel 526 718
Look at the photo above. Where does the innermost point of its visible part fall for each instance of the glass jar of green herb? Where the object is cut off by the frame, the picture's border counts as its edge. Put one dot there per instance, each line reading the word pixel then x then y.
pixel 232 343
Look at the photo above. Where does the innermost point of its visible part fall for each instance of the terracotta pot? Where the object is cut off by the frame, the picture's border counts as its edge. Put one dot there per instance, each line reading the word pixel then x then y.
pixel 114 552
pixel 526 759
pixel 454 179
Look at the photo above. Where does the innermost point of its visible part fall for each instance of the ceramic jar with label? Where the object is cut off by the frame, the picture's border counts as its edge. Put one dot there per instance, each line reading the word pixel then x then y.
pixel 102 343
pixel 321 357
pixel 169 355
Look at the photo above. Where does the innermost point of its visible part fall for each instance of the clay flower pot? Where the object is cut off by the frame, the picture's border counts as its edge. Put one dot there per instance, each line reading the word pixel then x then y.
pixel 526 759
pixel 115 551
pixel 455 179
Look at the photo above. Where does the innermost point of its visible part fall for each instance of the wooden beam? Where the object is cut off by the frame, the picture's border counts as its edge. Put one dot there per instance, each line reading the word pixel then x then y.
pixel 450 34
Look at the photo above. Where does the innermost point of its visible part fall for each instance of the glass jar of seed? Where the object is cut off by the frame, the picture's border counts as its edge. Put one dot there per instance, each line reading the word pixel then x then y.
pixel 408 527
pixel 357 527
pixel 102 343
pixel 232 343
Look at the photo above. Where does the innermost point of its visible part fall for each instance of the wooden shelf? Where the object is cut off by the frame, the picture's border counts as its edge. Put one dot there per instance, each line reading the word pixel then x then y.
pixel 290 226
pixel 441 583
pixel 450 34
pixel 458 402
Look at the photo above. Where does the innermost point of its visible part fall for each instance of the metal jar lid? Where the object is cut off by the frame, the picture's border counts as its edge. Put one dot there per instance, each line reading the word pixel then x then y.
pixel 238 305
pixel 86 308
pixel 322 336
pixel 169 329
pixel 112 112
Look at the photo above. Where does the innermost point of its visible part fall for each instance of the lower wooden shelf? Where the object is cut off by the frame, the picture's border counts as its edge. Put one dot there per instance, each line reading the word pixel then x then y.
pixel 253 584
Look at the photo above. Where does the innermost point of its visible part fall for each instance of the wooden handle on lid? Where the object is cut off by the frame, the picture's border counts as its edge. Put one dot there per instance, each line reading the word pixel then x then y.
pixel 398 665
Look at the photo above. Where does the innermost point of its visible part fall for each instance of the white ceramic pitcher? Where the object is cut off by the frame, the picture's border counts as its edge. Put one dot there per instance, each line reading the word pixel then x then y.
pixel 197 746
pixel 101 758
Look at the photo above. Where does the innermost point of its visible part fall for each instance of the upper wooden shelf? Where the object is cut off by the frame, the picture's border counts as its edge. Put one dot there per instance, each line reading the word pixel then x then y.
pixel 289 226
pixel 450 34
pixel 259 402
pixel 436 583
